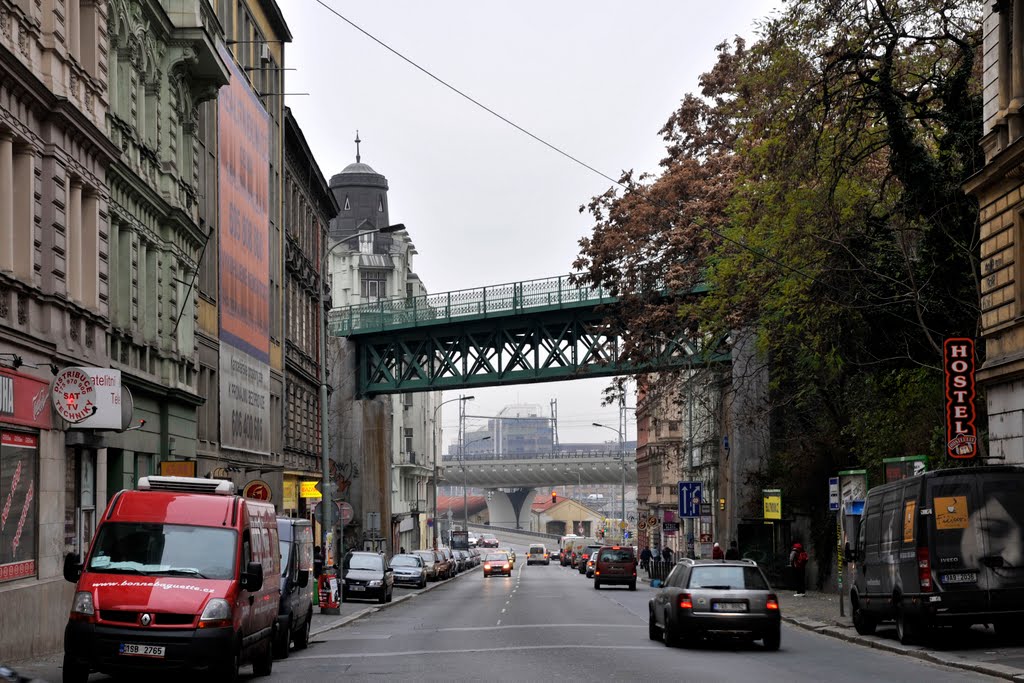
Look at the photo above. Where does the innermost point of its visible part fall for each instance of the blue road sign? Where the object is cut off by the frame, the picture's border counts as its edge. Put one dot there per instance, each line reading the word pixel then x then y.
pixel 691 495
pixel 833 493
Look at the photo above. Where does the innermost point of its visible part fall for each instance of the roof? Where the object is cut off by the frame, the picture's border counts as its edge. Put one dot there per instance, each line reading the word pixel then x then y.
pixel 454 503
pixel 358 167
pixel 172 507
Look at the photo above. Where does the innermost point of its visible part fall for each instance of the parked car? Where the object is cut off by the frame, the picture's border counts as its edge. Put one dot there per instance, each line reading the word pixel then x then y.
pixel 176 578
pixel 584 555
pixel 409 570
pixel 497 563
pixel 453 564
pixel 430 563
pixel 537 554
pixel 460 561
pixel 704 596
pixel 475 554
pixel 941 548
pixel 444 565
pixel 367 576
pixel 295 615
pixel 615 565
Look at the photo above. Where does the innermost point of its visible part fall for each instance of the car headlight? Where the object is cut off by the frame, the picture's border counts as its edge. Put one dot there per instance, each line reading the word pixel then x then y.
pixel 82 604
pixel 217 613
pixel 375 584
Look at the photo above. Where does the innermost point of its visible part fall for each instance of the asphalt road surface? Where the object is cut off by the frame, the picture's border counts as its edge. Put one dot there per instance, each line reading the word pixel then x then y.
pixel 548 623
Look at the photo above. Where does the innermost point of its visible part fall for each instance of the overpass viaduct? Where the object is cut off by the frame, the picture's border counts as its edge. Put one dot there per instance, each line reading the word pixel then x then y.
pixel 513 481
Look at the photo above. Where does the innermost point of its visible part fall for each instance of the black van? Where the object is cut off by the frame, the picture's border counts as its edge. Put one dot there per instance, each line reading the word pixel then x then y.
pixel 295 612
pixel 944 548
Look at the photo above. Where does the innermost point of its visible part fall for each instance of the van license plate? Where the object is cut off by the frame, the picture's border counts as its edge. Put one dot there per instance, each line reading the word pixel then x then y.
pixel 729 607
pixel 960 577
pixel 142 650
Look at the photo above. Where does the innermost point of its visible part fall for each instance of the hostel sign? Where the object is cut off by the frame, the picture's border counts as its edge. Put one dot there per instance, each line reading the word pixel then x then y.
pixel 961 432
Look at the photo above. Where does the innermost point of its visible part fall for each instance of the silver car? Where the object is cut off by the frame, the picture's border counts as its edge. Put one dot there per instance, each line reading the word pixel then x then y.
pixel 410 570
pixel 701 597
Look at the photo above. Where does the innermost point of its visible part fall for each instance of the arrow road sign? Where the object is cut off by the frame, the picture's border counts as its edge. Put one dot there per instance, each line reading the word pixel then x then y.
pixel 691 495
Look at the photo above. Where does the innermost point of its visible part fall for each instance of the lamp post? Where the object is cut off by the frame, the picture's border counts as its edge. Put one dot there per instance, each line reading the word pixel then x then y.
pixel 433 445
pixel 465 495
pixel 622 455
pixel 325 474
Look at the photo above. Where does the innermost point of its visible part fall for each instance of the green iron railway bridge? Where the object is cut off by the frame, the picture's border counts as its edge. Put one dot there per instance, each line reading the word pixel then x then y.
pixel 515 333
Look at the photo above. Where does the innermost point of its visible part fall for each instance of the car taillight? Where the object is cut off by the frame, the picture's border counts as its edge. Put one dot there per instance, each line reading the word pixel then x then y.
pixel 772 603
pixel 685 601
pixel 597 573
pixel 924 570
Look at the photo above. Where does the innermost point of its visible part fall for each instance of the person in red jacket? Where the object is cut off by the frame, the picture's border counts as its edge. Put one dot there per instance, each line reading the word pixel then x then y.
pixel 798 562
pixel 717 553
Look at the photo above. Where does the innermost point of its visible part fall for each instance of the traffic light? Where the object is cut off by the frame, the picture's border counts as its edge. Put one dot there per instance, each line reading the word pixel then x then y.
pixel 554 497
pixel 721 503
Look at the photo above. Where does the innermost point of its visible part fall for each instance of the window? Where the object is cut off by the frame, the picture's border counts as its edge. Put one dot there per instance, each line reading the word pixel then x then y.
pixel 348 207
pixel 373 284
pixel 366 244
pixel 18 456
pixel 408 439
pixel 380 205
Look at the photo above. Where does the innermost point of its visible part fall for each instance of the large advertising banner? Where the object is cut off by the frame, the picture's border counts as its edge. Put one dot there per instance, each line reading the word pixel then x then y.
pixel 244 401
pixel 243 129
pixel 18 498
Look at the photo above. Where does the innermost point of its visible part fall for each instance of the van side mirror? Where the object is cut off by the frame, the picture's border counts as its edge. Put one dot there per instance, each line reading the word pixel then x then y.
pixel 303 578
pixel 252 577
pixel 72 567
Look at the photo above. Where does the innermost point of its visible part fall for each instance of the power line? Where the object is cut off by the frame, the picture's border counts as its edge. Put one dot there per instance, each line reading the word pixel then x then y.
pixel 567 155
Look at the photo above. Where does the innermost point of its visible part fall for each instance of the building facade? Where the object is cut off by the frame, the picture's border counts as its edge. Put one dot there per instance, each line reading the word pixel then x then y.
pixel 999 189
pixel 366 268
pixel 309 208
pixel 240 330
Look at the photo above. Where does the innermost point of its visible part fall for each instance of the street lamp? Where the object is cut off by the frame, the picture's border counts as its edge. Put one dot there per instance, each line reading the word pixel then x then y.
pixel 433 445
pixel 325 475
pixel 622 454
pixel 465 495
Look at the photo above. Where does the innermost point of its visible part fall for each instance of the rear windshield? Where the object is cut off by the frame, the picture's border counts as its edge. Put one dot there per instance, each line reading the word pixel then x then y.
pixel 613 555
pixel 536 549
pixel 726 577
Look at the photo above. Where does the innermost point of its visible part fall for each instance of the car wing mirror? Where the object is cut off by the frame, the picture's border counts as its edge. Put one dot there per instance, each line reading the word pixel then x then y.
pixel 72 567
pixel 252 577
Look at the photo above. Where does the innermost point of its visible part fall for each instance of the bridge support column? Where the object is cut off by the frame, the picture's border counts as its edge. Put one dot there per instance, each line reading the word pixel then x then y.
pixel 510 507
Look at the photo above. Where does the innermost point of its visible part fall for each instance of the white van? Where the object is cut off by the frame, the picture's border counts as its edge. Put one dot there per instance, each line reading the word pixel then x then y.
pixel 565 548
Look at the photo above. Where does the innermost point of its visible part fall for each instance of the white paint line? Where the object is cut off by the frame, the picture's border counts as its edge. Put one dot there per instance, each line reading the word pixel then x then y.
pixel 590 626
pixel 503 611
pixel 499 624
pixel 521 648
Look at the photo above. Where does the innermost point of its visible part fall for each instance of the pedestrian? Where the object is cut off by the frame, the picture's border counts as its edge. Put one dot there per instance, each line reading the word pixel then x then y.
pixel 798 562
pixel 717 553
pixel 666 554
pixel 645 560
pixel 401 549
pixel 733 553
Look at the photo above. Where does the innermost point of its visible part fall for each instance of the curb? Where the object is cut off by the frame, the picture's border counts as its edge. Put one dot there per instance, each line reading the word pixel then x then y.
pixel 943 659
pixel 345 621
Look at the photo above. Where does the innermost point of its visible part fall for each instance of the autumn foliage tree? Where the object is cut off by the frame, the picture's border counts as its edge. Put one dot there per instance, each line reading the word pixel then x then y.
pixel 814 185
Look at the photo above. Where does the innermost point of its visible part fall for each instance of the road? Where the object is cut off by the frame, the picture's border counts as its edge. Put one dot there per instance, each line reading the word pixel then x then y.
pixel 548 623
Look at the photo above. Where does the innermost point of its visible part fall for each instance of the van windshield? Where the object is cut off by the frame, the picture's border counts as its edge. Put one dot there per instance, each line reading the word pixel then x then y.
pixel 169 549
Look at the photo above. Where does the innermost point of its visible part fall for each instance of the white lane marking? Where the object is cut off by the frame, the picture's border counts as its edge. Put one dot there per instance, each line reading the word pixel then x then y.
pixel 503 610
pixel 520 648
pixel 499 624
pixel 587 625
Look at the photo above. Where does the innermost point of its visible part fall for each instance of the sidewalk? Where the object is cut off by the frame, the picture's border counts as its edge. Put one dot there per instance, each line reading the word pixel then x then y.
pixel 976 650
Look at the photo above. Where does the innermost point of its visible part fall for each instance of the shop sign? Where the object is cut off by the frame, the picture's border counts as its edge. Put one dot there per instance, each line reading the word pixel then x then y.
pixel 308 489
pixel 961 432
pixel 291 494
pixel 178 468
pixel 257 489
pixel 89 398
pixel 772 503
pixel 24 400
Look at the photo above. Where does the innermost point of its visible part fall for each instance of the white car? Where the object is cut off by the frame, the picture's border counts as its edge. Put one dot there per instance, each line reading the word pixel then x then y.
pixel 472 540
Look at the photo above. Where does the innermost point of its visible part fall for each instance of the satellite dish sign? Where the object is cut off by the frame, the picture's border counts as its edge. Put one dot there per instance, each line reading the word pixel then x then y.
pixel 89 398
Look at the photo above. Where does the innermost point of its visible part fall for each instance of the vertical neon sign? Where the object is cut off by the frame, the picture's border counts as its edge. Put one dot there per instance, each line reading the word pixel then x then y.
pixel 961 432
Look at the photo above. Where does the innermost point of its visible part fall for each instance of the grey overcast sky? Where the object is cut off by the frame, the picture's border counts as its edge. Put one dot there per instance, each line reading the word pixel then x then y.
pixel 484 203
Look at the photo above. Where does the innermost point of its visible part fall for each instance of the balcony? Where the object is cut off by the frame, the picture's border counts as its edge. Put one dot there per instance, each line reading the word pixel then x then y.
pixel 413 460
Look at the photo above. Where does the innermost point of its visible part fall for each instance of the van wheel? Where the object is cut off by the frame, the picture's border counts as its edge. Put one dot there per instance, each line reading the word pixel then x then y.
pixel 772 639
pixel 597 585
pixel 74 672
pixel 907 630
pixel 226 671
pixel 264 662
pixel 302 637
pixel 632 586
pixel 864 624
pixel 281 641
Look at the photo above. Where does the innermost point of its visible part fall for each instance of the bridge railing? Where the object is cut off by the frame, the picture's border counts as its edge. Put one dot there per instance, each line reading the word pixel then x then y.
pixel 563 455
pixel 480 302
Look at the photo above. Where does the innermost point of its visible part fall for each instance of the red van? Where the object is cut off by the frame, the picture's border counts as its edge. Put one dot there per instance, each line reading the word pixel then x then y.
pixel 181 574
